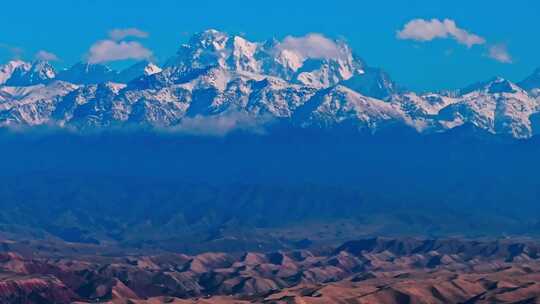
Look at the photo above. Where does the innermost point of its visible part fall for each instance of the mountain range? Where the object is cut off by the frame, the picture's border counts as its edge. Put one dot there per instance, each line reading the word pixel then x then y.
pixel 364 271
pixel 218 82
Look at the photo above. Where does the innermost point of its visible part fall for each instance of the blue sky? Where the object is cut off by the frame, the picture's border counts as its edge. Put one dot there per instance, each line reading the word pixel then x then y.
pixel 68 28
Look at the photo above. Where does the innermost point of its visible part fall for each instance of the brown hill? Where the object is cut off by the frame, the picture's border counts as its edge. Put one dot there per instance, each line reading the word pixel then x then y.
pixel 365 271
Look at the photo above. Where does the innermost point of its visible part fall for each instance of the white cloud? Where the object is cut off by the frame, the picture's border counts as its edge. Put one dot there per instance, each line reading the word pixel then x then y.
pixel 15 52
pixel 427 30
pixel 117 47
pixel 47 56
pixel 311 46
pixel 121 34
pixel 110 50
pixel 222 124
pixel 500 53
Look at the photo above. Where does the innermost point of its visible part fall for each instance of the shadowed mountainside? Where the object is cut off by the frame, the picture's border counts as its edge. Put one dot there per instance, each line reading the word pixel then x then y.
pixel 243 192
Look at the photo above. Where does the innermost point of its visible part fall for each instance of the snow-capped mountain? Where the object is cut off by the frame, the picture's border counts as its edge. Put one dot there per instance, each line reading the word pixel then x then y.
pixel 38 72
pixel 234 53
pixel 139 69
pixel 340 104
pixel 372 82
pixel 7 70
pixel 86 73
pixel 20 73
pixel 226 80
pixel 31 105
pixel 498 106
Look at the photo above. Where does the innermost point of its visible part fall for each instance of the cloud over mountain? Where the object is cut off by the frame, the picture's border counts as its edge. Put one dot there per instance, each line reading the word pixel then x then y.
pixel 46 56
pixel 110 50
pixel 500 53
pixel 116 48
pixel 312 45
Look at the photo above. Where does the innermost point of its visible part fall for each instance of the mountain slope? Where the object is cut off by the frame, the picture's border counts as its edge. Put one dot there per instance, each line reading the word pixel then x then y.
pixel 139 69
pixel 39 72
pixel 7 70
pixel 532 82
pixel 86 73
pixel 498 106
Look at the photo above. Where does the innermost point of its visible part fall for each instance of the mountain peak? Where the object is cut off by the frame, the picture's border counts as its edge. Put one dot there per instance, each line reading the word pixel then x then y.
pixel 16 63
pixel 493 86
pixel 151 69
pixel 532 81
pixel 373 82
pixel 139 69
pixel 44 68
pixel 501 85
pixel 210 39
pixel 6 70
pixel 24 74
pixel 212 32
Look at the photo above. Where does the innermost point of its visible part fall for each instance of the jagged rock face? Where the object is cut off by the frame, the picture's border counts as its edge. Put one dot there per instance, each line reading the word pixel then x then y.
pixel 140 69
pixel 372 82
pixel 340 104
pixel 499 107
pixel 374 270
pixel 39 72
pixel 19 73
pixel 7 70
pixel 33 105
pixel 234 53
pixel 216 76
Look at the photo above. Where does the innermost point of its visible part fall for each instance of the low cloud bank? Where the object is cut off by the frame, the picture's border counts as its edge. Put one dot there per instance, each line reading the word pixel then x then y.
pixel 222 124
